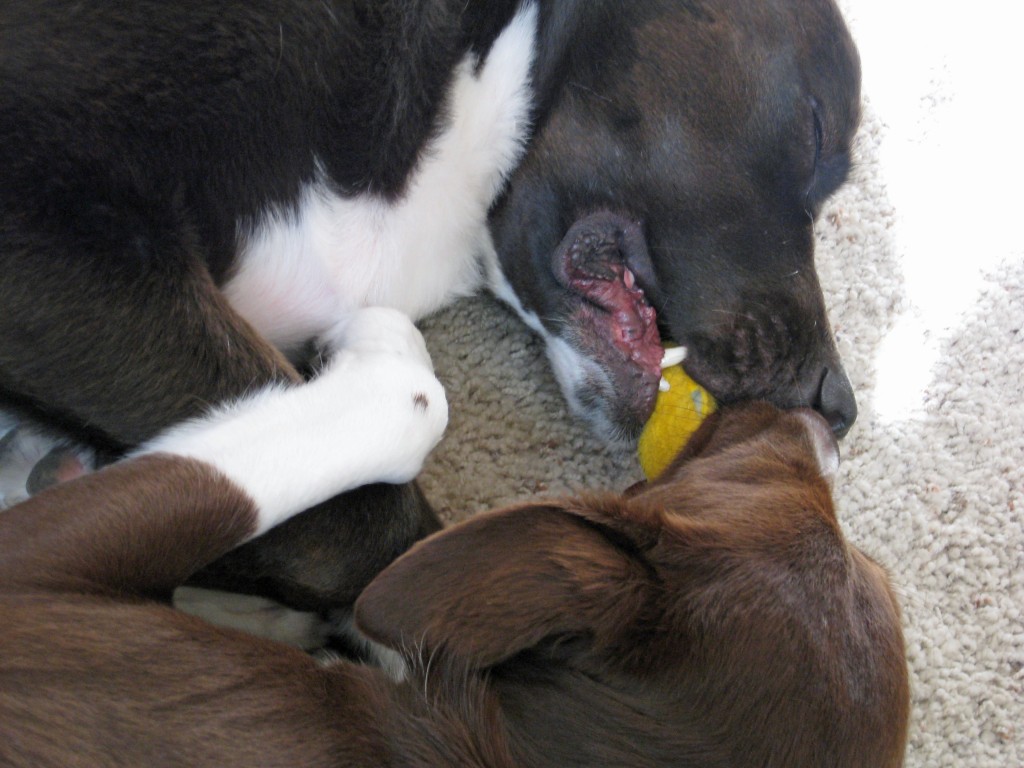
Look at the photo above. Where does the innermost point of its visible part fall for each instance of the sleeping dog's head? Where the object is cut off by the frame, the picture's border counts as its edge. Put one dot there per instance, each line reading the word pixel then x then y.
pixel 715 617
pixel 682 151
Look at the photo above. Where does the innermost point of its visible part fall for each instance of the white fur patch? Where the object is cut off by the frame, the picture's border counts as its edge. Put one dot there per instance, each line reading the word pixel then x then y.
pixel 256 615
pixel 826 449
pixel 502 289
pixel 298 275
pixel 373 415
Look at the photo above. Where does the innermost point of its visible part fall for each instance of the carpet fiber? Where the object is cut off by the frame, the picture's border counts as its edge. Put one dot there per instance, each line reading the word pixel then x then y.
pixel 925 282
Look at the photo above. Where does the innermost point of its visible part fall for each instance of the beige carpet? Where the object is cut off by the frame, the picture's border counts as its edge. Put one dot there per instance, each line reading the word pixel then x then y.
pixel 923 269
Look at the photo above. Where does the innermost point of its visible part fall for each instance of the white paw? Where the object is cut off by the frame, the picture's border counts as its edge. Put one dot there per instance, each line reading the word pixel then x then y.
pixel 382 360
pixel 396 410
pixel 372 415
pixel 378 329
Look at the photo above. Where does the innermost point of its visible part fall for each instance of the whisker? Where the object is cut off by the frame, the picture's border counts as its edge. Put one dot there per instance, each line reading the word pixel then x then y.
pixel 734 314
pixel 582 87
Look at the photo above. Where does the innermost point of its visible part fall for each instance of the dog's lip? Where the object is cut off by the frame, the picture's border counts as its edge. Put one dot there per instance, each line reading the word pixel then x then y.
pixel 603 266
pixel 618 331
pixel 633 320
pixel 617 310
pixel 596 262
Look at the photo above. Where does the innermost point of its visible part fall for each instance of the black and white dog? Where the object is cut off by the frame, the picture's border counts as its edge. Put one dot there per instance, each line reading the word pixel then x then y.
pixel 195 194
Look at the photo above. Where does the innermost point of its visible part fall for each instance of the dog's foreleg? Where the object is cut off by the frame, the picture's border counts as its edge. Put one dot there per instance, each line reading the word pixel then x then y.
pixel 134 527
pixel 185 498
pixel 373 415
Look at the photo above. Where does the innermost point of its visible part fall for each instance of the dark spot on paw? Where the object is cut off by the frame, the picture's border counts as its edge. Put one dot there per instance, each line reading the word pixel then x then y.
pixel 420 402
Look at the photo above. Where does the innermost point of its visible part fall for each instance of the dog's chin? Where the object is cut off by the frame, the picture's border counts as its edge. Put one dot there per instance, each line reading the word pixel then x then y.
pixel 613 394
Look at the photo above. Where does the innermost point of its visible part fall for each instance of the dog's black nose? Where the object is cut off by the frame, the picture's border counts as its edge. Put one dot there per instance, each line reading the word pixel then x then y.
pixel 836 401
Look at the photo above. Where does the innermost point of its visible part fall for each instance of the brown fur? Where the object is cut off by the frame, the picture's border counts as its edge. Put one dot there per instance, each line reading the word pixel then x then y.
pixel 714 618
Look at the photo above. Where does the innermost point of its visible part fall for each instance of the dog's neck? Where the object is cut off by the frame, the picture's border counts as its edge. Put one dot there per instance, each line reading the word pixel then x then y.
pixel 402 116
pixel 578 40
pixel 297 273
pixel 440 715
pixel 562 717
pixel 531 714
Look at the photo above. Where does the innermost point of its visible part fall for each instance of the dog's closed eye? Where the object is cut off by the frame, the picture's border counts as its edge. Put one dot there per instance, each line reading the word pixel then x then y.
pixel 830 170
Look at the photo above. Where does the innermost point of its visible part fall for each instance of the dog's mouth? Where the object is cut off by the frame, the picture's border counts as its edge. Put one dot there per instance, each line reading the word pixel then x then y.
pixel 601 262
pixel 774 343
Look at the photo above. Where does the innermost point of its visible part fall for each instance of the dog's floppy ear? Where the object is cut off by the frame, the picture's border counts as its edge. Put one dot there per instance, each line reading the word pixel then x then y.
pixel 504 581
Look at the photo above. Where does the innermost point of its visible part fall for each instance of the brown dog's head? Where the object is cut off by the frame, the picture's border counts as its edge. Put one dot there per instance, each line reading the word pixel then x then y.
pixel 714 618
pixel 683 151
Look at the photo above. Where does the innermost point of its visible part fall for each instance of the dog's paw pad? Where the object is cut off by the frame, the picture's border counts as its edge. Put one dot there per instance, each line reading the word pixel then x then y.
pixel 61 464
pixel 31 462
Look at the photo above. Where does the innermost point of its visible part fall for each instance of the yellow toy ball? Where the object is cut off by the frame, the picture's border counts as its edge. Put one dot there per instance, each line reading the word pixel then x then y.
pixel 678 412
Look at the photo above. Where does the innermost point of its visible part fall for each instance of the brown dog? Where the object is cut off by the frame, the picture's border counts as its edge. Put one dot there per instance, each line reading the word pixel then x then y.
pixel 716 617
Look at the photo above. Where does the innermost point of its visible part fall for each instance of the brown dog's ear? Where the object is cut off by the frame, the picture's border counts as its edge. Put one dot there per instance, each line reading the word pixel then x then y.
pixel 504 581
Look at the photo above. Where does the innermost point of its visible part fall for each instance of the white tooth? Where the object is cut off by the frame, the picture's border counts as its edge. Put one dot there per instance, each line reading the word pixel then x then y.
pixel 673 356
pixel 628 279
pixel 663 385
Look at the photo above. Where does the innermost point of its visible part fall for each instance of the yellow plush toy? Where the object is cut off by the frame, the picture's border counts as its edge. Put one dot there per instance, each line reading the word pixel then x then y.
pixel 678 411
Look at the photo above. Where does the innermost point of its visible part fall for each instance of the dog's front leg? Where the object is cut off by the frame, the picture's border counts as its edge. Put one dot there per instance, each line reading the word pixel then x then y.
pixel 371 416
pixel 191 494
